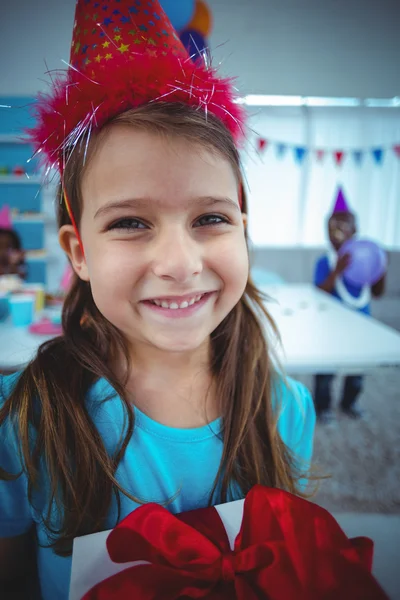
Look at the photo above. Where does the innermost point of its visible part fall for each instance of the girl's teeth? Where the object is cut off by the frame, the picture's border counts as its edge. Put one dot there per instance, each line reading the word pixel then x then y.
pixel 175 305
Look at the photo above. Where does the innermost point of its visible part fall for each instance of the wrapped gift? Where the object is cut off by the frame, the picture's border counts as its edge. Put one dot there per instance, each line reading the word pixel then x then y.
pixel 271 545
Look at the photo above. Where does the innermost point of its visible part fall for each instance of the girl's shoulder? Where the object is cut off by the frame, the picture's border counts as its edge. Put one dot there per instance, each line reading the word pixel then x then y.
pixel 291 402
pixel 295 411
pixel 289 393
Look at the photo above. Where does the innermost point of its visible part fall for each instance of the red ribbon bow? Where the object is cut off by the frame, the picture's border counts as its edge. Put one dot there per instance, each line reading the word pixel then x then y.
pixel 287 548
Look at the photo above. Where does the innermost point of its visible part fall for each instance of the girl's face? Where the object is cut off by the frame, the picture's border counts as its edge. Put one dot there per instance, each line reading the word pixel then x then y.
pixel 163 235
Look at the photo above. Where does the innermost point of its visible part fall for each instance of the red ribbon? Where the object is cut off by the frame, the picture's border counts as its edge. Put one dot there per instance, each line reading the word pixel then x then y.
pixel 287 548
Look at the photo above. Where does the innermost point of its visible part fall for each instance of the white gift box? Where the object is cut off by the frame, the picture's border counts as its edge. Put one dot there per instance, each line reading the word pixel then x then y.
pixel 92 564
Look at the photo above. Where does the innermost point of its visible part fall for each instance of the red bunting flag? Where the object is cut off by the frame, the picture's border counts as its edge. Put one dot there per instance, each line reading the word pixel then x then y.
pixel 262 144
pixel 396 149
pixel 339 156
pixel 320 154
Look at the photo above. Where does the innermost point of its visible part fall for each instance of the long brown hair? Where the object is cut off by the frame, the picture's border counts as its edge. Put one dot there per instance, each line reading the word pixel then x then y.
pixel 49 396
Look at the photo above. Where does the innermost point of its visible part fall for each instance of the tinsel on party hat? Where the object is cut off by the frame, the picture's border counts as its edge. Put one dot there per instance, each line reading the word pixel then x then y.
pixel 340 203
pixel 124 53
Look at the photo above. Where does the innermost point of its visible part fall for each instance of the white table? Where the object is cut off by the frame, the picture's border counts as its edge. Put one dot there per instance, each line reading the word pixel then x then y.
pixel 18 346
pixel 318 334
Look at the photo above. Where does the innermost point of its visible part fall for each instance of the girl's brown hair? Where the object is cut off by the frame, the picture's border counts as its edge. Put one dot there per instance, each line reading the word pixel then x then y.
pixel 49 396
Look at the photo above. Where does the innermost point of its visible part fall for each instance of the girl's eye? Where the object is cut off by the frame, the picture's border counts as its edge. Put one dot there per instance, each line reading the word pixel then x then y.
pixel 210 220
pixel 128 224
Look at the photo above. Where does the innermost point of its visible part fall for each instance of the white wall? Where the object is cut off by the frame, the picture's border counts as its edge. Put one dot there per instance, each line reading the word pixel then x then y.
pixel 306 47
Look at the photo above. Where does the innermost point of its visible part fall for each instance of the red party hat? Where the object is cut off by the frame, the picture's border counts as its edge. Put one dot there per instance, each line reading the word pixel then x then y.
pixel 124 53
pixel 5 217
pixel 340 203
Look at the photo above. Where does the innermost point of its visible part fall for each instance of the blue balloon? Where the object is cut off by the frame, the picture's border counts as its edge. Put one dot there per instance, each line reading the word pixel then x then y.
pixel 179 12
pixel 194 43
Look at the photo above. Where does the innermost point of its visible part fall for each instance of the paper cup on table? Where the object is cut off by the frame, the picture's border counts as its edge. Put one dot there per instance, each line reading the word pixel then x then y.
pixel 4 309
pixel 37 291
pixel 22 309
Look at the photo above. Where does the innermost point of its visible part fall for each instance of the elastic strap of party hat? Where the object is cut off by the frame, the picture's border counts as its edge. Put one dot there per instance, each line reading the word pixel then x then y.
pixel 71 215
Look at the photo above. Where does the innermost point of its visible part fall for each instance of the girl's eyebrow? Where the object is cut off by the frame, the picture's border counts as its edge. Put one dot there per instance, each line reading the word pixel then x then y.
pixel 137 203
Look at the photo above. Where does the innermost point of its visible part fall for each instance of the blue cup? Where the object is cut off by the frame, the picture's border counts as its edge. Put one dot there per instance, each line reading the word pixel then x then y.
pixel 22 309
pixel 4 308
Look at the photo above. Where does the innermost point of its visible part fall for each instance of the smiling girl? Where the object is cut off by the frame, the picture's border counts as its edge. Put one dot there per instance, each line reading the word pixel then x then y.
pixel 163 386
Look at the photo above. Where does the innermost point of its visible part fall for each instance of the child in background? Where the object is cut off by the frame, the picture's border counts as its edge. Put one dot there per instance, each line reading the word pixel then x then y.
pixel 11 253
pixel 328 277
pixel 168 391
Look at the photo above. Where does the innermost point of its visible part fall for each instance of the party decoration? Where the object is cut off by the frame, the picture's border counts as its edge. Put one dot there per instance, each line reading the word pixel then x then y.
pixel 341 205
pixel 262 144
pixel 5 217
pixel 300 153
pixel 273 545
pixel 281 150
pixel 338 156
pixel 179 12
pixel 125 54
pixel 368 261
pixel 377 153
pixel 195 44
pixel 358 156
pixel 202 19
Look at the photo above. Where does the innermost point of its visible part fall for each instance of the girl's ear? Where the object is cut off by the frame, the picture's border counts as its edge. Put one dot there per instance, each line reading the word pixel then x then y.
pixel 70 244
pixel 244 217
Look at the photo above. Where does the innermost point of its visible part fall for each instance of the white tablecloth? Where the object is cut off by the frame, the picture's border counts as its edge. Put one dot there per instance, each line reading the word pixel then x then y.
pixel 17 346
pixel 318 335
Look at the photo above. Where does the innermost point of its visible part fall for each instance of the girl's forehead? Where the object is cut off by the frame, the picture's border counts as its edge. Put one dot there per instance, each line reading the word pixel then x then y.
pixel 147 150
pixel 145 166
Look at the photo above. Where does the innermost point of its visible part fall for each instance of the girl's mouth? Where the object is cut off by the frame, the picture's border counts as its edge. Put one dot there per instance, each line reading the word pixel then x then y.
pixel 176 307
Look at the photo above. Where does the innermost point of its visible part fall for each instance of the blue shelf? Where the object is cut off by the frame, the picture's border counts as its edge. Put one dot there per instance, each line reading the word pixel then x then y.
pixel 16 119
pixel 21 196
pixel 19 192
pixel 36 271
pixel 31 234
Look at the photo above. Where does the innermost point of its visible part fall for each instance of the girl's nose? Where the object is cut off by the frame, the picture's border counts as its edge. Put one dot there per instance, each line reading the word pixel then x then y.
pixel 177 257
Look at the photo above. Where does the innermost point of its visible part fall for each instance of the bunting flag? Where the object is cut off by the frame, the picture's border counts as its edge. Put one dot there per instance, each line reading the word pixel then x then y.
pixel 300 153
pixel 358 156
pixel 262 144
pixel 338 155
pixel 281 150
pixel 377 153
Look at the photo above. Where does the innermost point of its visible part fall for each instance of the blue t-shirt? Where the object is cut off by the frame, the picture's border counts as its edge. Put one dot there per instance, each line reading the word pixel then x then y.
pixel 160 462
pixel 322 270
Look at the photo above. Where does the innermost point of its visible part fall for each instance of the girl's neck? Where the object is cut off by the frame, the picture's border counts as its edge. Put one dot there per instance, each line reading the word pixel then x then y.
pixel 175 389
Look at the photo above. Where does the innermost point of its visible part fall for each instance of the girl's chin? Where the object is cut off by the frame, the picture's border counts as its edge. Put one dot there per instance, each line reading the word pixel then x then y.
pixel 169 344
pixel 179 345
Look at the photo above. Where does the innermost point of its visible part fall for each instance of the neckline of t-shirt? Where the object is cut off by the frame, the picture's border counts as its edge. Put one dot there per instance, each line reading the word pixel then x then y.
pixel 146 423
